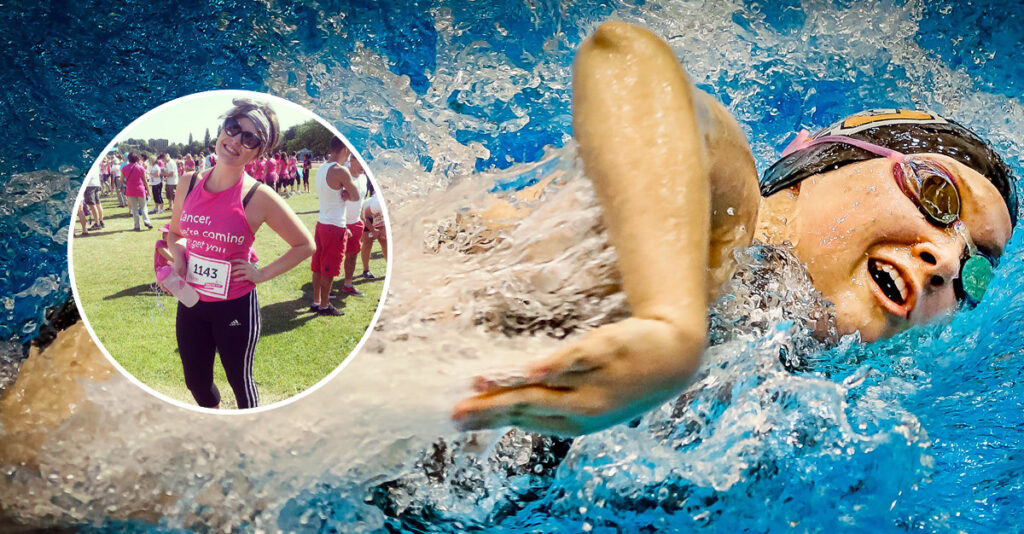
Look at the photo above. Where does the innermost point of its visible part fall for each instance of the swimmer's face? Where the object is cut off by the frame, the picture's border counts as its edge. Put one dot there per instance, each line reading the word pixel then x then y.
pixel 229 149
pixel 871 252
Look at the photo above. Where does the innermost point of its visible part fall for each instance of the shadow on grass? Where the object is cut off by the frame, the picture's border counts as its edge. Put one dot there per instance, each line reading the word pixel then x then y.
pixel 106 232
pixel 142 290
pixel 289 315
pixel 117 215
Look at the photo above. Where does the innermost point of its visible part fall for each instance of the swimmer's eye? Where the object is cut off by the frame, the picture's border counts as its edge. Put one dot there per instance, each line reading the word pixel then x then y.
pixel 976 273
pixel 938 197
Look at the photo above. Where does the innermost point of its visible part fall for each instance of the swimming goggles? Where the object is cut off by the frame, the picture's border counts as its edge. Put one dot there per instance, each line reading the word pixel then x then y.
pixel 932 189
pixel 249 139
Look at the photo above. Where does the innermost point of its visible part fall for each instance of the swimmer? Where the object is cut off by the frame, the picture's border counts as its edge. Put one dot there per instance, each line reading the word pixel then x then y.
pixel 216 215
pixel 899 216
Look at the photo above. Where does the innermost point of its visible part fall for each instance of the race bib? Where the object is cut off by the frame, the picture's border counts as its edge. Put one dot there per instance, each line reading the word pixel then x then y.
pixel 209 276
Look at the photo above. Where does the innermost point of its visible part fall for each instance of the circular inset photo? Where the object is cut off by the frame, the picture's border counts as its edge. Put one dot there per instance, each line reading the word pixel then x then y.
pixel 229 251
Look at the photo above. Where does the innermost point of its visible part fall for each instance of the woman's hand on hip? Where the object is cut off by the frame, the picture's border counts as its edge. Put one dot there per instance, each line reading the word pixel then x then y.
pixel 246 270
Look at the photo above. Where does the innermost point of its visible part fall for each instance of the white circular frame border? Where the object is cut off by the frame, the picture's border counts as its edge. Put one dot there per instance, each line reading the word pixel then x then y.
pixel 275 100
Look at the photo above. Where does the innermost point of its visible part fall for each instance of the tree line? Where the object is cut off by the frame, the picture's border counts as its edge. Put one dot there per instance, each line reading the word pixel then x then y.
pixel 309 135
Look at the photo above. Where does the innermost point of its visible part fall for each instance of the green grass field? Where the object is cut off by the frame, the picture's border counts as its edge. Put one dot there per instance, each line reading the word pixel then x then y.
pixel 113 270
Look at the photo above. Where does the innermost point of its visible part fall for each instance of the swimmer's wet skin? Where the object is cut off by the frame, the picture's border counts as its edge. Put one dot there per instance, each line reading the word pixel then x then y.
pixel 47 392
pixel 886 208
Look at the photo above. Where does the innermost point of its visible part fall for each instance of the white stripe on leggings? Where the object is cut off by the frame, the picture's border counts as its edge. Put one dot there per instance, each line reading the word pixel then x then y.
pixel 259 331
pixel 249 346
pixel 251 392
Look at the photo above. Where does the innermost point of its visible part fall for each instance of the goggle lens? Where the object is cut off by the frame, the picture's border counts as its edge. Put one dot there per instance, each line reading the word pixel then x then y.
pixel 938 198
pixel 975 276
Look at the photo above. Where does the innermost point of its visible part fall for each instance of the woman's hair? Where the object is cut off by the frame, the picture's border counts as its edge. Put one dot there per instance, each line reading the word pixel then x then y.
pixel 133 157
pixel 263 117
pixel 369 188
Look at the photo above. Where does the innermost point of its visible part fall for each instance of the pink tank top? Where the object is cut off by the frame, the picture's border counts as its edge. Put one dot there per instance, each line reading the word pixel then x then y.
pixel 271 171
pixel 135 180
pixel 216 232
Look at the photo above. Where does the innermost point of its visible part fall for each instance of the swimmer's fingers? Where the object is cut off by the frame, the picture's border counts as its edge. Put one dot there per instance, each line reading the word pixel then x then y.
pixel 581 361
pixel 533 408
pixel 613 374
pixel 563 369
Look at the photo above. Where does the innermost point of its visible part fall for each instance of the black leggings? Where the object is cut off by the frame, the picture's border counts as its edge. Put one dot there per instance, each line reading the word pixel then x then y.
pixel 230 327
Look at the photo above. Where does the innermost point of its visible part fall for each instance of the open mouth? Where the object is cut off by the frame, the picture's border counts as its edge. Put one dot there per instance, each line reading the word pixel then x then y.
pixel 892 286
pixel 230 150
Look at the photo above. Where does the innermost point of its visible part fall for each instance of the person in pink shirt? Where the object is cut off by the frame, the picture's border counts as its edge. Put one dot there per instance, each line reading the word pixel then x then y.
pixel 259 170
pixel 189 165
pixel 135 189
pixel 215 217
pixel 282 173
pixel 270 172
pixel 293 174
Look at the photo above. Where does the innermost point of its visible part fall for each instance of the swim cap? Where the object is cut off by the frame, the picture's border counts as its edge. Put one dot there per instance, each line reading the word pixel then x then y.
pixel 903 130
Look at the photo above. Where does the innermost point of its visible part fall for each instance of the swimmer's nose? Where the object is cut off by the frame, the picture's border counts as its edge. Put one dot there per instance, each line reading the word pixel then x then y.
pixel 938 265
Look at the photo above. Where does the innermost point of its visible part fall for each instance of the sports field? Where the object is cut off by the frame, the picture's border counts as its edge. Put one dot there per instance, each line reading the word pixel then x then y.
pixel 113 270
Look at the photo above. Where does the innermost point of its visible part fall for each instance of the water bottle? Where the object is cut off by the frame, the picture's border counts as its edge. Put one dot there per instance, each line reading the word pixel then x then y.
pixel 177 286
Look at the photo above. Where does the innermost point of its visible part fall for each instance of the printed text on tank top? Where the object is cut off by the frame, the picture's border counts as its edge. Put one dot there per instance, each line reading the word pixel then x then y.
pixel 217 231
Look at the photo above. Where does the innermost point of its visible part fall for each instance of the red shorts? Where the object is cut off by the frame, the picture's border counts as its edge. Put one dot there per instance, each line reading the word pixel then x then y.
pixel 330 245
pixel 352 244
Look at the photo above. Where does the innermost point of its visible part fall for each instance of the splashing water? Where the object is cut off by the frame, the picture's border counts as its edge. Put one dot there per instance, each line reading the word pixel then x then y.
pixel 453 100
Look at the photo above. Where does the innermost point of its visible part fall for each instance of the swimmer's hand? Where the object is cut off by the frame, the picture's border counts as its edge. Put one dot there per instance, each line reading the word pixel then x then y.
pixel 246 270
pixel 612 375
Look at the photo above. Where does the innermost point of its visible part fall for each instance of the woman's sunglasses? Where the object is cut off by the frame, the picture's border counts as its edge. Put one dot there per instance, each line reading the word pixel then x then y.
pixel 249 139
pixel 931 188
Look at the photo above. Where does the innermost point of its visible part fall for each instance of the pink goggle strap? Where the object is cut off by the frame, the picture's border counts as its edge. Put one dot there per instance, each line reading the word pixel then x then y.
pixel 801 142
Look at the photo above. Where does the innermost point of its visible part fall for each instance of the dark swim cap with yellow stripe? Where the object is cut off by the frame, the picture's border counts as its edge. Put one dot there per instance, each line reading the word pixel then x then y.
pixel 903 130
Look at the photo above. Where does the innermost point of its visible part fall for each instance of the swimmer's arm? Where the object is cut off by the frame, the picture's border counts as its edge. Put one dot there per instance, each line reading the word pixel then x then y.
pixel 275 212
pixel 735 194
pixel 636 124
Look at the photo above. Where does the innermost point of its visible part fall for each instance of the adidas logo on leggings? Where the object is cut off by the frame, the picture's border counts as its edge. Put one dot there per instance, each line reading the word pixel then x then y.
pixel 235 323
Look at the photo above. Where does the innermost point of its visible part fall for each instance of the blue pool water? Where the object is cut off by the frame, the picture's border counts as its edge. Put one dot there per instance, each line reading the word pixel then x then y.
pixel 929 439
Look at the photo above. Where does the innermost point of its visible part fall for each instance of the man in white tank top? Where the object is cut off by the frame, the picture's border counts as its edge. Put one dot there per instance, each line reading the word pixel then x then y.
pixel 354 224
pixel 332 181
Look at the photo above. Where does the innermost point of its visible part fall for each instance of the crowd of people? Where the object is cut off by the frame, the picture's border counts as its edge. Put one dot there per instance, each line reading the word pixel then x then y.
pixel 146 183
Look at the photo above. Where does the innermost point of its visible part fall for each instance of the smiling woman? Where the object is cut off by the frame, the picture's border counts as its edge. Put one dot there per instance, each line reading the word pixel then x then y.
pixel 886 209
pixel 213 226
